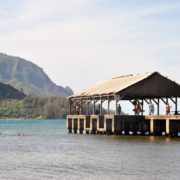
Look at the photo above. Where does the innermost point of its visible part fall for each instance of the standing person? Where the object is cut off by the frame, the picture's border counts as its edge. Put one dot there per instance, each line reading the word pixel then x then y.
pixel 168 108
pixel 119 109
pixel 138 108
pixel 80 110
pixel 77 109
pixel 151 108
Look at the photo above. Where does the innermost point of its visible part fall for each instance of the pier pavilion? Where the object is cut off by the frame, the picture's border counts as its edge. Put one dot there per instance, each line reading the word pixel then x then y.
pixel 138 88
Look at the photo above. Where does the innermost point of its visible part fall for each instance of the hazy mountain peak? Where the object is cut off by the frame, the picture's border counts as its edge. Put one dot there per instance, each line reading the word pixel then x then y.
pixel 27 76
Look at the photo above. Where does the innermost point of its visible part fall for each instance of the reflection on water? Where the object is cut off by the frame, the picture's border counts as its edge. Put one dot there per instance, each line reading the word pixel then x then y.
pixel 44 150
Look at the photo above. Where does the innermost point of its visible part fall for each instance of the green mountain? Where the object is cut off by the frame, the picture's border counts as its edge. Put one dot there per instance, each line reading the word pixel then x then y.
pixel 9 92
pixel 29 78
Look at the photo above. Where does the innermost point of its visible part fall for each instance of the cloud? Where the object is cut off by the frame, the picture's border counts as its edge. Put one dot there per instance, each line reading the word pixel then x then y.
pixel 78 42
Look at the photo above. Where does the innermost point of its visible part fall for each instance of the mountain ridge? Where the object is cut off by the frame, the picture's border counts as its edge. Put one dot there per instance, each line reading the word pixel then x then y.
pixel 29 77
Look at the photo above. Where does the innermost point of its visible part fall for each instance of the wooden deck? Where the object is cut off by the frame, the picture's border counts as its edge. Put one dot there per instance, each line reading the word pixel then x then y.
pixel 124 124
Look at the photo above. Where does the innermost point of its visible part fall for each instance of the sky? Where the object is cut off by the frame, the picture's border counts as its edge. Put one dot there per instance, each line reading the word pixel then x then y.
pixel 80 42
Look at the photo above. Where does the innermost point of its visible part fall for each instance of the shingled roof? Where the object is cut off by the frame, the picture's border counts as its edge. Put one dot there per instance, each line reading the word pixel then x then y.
pixel 144 85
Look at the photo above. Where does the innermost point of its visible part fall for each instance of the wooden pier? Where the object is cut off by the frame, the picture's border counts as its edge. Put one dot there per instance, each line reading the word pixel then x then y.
pixel 124 124
pixel 87 114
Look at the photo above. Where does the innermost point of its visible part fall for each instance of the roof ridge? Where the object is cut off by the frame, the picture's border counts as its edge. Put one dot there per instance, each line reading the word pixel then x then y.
pixel 132 75
pixel 122 76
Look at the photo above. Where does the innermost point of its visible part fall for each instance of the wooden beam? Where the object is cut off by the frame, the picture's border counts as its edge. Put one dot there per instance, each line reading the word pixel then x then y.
pixel 156 102
pixel 131 102
pixel 164 100
pixel 146 101
pixel 96 101
pixel 135 100
pixel 174 101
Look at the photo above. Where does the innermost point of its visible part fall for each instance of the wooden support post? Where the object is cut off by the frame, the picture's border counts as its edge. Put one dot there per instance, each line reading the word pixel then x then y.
pixel 78 123
pixel 100 105
pixel 140 127
pixel 91 124
pixel 88 103
pixel 151 126
pixel 67 123
pixel 167 126
pixel 142 108
pixel 70 103
pixel 105 125
pixel 167 100
pixel 94 106
pixel 72 123
pixel 108 106
pixel 84 123
pixel 157 103
pixel 87 107
pixel 175 103
pixel 98 124
pixel 116 102
pixel 81 106
pixel 158 107
pixel 176 108
pixel 113 125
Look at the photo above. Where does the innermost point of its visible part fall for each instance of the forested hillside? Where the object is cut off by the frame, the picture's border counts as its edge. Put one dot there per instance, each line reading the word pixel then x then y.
pixel 9 92
pixel 34 107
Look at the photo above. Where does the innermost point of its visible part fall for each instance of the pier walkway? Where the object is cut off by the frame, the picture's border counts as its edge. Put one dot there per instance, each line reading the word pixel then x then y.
pixel 124 124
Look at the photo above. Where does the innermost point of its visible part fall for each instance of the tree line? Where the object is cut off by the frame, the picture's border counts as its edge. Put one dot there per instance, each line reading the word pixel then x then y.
pixel 34 107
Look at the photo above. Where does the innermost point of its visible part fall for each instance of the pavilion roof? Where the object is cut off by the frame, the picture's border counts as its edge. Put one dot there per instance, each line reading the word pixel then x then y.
pixel 133 86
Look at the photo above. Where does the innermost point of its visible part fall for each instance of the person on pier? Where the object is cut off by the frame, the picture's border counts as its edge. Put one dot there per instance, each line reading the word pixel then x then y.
pixel 98 109
pixel 138 109
pixel 151 108
pixel 119 109
pixel 168 108
pixel 78 109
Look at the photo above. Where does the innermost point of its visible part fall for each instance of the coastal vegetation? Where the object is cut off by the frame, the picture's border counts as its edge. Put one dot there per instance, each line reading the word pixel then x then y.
pixel 34 107
pixel 26 91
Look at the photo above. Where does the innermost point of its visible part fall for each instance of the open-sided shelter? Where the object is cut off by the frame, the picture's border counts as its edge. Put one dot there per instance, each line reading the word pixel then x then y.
pixel 139 87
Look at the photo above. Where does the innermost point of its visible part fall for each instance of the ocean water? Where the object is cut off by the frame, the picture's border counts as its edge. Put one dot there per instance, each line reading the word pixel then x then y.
pixel 43 150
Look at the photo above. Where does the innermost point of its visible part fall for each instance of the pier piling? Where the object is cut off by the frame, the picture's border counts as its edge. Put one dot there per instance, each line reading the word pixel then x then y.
pixel 124 124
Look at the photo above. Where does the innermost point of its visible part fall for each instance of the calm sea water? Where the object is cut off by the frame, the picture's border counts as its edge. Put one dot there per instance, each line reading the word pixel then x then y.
pixel 44 150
